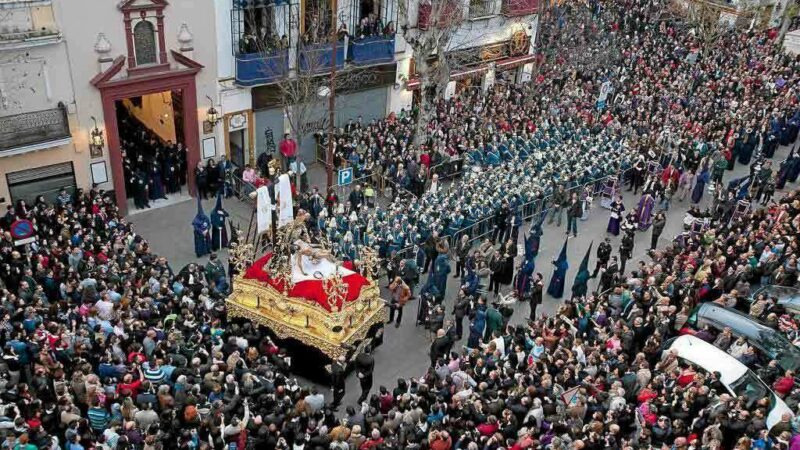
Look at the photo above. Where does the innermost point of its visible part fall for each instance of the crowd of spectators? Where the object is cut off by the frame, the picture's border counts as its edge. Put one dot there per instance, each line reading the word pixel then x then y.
pixel 689 109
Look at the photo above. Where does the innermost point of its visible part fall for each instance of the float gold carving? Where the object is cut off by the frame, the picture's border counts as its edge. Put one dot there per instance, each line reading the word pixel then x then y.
pixel 333 332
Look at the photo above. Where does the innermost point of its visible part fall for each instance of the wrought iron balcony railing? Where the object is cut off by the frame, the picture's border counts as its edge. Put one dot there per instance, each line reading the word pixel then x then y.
pixel 33 128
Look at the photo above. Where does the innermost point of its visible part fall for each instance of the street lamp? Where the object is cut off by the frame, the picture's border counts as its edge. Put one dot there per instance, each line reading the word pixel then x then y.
pixel 96 141
pixel 212 115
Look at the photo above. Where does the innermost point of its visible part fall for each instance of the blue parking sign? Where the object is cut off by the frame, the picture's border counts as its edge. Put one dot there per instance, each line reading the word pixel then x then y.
pixel 345 176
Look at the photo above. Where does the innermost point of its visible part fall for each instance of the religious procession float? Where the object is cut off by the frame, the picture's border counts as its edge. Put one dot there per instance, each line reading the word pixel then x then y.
pixel 315 307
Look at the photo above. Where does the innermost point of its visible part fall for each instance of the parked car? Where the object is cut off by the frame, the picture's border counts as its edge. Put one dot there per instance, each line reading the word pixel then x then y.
pixel 735 376
pixel 768 341
pixel 787 297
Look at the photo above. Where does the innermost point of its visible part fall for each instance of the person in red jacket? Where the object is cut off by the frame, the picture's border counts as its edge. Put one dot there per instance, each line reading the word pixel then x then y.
pixel 373 442
pixel 440 440
pixel 783 386
pixel 489 427
pixel 288 148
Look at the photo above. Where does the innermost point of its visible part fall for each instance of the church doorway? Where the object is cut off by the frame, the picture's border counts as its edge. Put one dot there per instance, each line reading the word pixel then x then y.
pixel 152 147
pixel 151 110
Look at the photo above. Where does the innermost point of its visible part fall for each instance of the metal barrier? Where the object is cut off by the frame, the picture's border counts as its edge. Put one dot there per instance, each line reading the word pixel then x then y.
pixel 241 188
pixel 343 190
pixel 392 190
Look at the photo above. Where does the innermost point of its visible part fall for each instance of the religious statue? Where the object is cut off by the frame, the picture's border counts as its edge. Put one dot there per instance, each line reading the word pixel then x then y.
pixel 308 258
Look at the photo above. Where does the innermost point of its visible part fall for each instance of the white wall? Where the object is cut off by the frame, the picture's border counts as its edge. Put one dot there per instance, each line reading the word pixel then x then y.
pixel 32 79
pixel 478 33
pixel 225 61
pixel 234 99
pixel 791 43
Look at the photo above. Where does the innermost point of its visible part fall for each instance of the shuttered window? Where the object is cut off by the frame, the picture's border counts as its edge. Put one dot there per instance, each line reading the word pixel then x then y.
pixel 47 181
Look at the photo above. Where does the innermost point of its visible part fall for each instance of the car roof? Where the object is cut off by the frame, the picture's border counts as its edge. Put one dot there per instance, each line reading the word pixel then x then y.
pixel 708 358
pixel 739 323
pixel 787 296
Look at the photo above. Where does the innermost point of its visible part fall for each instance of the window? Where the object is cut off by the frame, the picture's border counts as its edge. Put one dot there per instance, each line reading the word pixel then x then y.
pixel 144 43
pixel 259 31
pixel 316 21
pixel 46 180
pixel 481 8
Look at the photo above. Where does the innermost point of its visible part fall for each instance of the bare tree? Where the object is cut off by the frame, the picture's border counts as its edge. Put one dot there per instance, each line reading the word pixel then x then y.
pixel 442 42
pixel 429 33
pixel 301 67
pixel 788 17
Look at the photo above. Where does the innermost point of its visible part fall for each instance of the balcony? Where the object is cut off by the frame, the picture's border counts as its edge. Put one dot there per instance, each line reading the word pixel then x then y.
pixel 520 7
pixel 317 58
pixel 256 68
pixel 31 131
pixel 439 14
pixel 482 8
pixel 372 50
pixel 27 23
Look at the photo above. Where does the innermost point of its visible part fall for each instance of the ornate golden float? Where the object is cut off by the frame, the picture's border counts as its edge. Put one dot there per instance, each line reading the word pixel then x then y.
pixel 339 328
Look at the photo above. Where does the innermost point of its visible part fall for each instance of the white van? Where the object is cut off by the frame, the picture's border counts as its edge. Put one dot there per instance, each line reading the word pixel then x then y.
pixel 736 377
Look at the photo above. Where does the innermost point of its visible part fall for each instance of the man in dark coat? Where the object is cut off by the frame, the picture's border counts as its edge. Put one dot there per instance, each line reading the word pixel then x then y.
pixel 559 202
pixel 609 272
pixel 430 250
pixel 338 375
pixel 659 222
pixel 603 255
pixel 537 286
pixel 356 198
pixel 501 221
pixel 460 310
pixel 365 365
pixel 410 275
pixel 441 346
pixel 574 212
pixel 625 250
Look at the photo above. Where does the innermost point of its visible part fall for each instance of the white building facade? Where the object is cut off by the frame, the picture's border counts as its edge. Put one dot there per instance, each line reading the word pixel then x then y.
pixel 40 149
